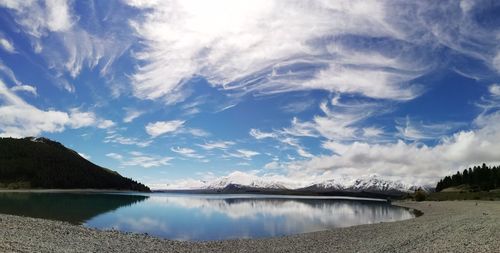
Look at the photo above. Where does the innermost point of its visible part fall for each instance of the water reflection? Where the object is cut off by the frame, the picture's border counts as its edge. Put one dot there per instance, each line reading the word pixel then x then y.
pixel 202 217
pixel 75 208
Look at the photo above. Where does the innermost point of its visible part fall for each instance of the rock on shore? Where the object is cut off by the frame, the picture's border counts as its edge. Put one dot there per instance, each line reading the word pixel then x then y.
pixel 451 226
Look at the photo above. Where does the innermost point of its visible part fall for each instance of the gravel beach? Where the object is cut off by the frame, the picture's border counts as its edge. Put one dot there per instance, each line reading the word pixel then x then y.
pixel 449 226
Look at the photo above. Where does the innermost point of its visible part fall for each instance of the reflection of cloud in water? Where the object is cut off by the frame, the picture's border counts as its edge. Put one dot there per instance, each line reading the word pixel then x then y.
pixel 139 225
pixel 190 217
pixel 334 213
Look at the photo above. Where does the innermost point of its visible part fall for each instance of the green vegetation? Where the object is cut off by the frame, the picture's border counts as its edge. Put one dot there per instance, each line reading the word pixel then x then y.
pixel 420 195
pixel 42 163
pixel 482 178
pixel 75 208
pixel 477 183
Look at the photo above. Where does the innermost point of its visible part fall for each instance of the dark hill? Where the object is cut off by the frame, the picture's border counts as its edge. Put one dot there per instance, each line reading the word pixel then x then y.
pixel 41 163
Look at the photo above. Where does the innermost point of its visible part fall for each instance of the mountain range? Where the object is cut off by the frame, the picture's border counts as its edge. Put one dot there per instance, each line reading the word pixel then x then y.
pixel 371 186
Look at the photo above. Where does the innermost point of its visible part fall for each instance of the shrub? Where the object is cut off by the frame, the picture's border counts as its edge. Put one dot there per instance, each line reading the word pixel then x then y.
pixel 420 195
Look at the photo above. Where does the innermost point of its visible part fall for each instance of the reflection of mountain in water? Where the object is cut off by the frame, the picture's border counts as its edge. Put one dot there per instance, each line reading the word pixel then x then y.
pixel 309 214
pixel 75 208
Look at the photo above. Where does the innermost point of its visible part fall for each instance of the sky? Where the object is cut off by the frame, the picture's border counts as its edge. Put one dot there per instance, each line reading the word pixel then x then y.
pixel 175 93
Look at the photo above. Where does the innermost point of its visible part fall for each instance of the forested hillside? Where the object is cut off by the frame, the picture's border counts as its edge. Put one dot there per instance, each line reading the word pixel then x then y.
pixel 477 178
pixel 41 163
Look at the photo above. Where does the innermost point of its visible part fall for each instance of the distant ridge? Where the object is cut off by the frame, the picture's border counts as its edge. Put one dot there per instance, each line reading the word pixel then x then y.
pixel 372 187
pixel 37 162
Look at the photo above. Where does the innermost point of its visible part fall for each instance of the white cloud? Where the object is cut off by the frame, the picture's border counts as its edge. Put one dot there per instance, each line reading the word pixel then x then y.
pixel 243 153
pixel 7 45
pixel 373 83
pixel 117 138
pixel 216 145
pixel 106 123
pixel 162 127
pixel 186 152
pixel 298 107
pixel 38 18
pixel 17 5
pixel 80 119
pixel 356 47
pixel 273 165
pixel 283 137
pixel 18 118
pixel 340 121
pixel 419 131
pixel 496 62
pixel 295 144
pixel 196 132
pixel 26 88
pixel 226 42
pixel 131 114
pixel 26 120
pixel 139 159
pixel 63 41
pixel 298 128
pixel 414 161
pixel 495 89
pixel 58 15
pixel 19 86
pixel 411 163
pixel 257 134
pixel 372 132
pixel 146 161
pixel 115 156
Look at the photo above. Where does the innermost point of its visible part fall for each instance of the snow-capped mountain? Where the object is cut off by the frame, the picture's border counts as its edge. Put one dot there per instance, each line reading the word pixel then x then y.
pixel 239 182
pixel 328 185
pixel 372 184
pixel 378 184
pixel 244 180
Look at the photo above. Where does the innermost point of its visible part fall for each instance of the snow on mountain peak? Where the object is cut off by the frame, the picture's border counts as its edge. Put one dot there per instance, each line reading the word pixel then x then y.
pixel 372 183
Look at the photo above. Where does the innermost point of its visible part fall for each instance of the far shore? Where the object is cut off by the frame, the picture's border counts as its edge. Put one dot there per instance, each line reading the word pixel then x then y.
pixel 187 192
pixel 446 226
pixel 65 190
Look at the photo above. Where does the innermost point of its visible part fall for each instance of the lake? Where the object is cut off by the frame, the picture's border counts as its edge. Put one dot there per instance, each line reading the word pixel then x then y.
pixel 202 217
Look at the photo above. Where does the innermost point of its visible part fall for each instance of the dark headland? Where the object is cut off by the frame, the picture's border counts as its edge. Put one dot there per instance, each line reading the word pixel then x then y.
pixel 40 163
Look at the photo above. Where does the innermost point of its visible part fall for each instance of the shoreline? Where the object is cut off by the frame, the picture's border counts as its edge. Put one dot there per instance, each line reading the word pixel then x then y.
pixel 66 191
pixel 448 226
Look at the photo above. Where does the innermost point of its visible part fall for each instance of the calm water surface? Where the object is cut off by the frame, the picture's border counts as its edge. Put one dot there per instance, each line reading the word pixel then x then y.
pixel 201 217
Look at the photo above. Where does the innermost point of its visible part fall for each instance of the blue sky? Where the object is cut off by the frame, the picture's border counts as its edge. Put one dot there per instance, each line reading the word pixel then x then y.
pixel 172 93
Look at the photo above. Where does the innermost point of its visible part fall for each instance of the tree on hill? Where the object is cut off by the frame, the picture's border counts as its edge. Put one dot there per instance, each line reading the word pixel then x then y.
pixel 41 163
pixel 479 177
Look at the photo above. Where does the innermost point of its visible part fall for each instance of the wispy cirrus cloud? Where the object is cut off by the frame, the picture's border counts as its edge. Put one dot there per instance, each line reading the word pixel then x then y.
pixel 25 88
pixel 258 134
pixel 415 131
pixel 131 114
pixel 216 145
pixel 319 45
pixel 242 153
pixel 158 128
pixel 139 159
pixel 7 45
pixel 247 54
pixel 67 44
pixel 297 107
pixel 19 86
pixel 187 152
pixel 341 121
